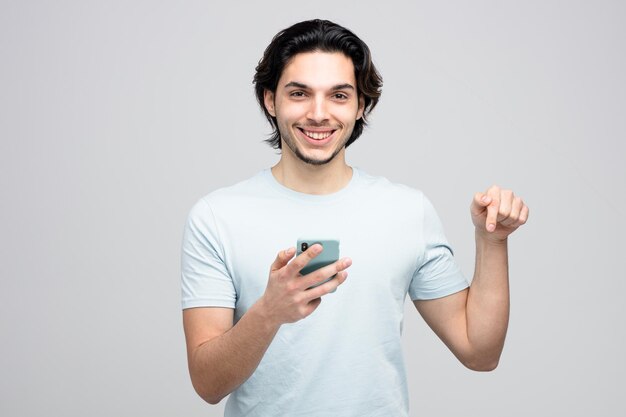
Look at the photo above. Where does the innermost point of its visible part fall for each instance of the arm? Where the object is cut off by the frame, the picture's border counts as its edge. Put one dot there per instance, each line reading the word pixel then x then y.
pixel 473 322
pixel 222 356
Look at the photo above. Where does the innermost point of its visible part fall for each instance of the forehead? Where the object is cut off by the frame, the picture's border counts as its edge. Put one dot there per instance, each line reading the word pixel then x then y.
pixel 318 69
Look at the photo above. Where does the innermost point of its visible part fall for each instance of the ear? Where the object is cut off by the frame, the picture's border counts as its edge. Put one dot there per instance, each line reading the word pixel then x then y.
pixel 268 100
pixel 359 113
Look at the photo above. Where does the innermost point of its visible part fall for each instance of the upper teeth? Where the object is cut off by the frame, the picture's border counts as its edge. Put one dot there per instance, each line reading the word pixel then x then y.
pixel 318 135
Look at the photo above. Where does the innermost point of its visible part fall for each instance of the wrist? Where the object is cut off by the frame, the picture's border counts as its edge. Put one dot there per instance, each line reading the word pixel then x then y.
pixel 487 238
pixel 262 309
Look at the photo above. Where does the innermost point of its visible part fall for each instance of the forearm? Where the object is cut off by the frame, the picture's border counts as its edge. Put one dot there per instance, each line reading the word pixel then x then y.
pixel 220 365
pixel 488 302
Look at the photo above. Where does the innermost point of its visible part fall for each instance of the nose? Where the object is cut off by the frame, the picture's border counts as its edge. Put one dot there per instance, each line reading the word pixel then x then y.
pixel 318 111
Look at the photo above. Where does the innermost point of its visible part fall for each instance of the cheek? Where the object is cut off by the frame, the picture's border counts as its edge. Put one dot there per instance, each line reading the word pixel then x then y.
pixel 290 112
pixel 348 114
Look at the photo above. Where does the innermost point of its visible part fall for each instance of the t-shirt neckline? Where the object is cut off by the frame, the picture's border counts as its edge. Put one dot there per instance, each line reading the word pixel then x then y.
pixel 313 198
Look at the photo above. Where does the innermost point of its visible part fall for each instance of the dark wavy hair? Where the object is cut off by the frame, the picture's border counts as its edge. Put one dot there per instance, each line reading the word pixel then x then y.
pixel 317 35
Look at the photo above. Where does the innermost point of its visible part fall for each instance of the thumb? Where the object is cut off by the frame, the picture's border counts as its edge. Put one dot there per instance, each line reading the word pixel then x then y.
pixel 283 258
pixel 479 203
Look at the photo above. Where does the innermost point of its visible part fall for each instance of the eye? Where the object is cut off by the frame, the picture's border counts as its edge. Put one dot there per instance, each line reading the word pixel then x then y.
pixel 296 94
pixel 340 96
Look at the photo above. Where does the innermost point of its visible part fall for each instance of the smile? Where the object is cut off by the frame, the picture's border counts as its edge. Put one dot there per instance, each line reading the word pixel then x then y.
pixel 318 135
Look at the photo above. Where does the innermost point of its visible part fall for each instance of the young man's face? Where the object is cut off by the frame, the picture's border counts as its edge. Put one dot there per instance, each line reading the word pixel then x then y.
pixel 316 105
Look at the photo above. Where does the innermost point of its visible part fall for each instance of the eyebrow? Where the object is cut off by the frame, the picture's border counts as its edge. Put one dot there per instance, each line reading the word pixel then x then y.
pixel 296 84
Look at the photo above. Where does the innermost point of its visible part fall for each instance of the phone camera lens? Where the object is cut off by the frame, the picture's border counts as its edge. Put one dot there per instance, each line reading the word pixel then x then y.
pixel 304 246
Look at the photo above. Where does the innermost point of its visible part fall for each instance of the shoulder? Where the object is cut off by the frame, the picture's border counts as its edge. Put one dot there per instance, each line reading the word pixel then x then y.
pixel 230 197
pixel 383 187
pixel 249 188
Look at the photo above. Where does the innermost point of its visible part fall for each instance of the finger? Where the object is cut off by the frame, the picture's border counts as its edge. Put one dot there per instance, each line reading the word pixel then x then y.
pixel 312 306
pixel 523 215
pixel 493 208
pixel 282 258
pixel 322 274
pixel 506 204
pixel 327 287
pixel 479 203
pixel 504 209
pixel 516 208
pixel 293 268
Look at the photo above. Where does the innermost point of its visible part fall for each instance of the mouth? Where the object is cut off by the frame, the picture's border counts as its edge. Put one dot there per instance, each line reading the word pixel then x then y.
pixel 317 137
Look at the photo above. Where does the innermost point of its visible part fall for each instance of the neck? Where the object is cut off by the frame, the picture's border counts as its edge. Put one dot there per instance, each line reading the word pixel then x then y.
pixel 313 179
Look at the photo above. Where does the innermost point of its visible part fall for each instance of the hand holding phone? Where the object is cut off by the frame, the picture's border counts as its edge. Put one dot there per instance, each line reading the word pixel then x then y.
pixel 291 296
pixel 329 255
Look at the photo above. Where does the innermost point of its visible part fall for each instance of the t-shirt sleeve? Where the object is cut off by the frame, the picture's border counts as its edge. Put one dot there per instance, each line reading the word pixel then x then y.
pixel 206 281
pixel 437 273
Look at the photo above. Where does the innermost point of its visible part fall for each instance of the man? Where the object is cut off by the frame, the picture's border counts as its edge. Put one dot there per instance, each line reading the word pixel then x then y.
pixel 267 338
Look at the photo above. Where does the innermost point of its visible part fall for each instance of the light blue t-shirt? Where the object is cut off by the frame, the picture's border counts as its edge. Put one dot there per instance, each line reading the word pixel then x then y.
pixel 345 359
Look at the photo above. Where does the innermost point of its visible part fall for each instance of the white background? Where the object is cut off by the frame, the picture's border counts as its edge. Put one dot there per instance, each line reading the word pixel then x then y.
pixel 116 116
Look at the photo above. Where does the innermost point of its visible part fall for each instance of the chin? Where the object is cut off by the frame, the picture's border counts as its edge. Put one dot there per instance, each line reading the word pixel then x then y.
pixel 316 160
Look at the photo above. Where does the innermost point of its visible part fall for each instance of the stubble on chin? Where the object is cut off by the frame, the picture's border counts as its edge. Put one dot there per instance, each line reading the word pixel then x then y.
pixel 311 161
pixel 316 162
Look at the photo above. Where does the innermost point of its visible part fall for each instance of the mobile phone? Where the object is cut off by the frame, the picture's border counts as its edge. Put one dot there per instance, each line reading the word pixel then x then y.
pixel 329 255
